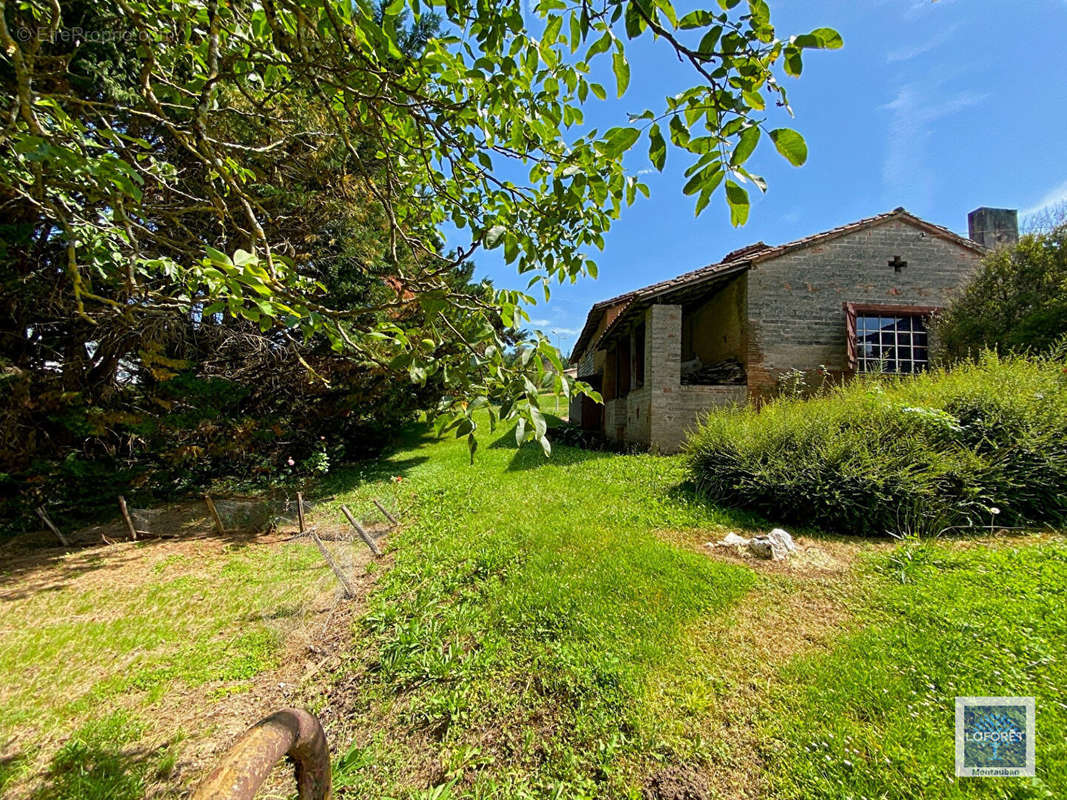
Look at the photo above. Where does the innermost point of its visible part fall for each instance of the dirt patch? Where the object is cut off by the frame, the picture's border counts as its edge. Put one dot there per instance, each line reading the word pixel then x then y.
pixel 312 652
pixel 199 722
pixel 676 783
pixel 798 606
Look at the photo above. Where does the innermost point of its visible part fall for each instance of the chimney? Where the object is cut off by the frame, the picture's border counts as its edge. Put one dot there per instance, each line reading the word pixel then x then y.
pixel 993 227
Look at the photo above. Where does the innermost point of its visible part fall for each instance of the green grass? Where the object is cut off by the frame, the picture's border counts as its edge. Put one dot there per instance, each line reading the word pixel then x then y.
pixel 539 636
pixel 95 763
pixel 529 603
pixel 551 629
pixel 874 717
pixel 96 634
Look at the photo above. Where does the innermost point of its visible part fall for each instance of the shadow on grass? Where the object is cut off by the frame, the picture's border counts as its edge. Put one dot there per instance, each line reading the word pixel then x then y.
pixel 382 467
pixel 100 763
pixel 11 768
pixel 51 569
pixel 31 563
pixel 758 519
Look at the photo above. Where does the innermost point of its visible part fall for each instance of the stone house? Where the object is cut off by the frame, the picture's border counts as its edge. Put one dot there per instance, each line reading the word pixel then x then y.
pixel 851 299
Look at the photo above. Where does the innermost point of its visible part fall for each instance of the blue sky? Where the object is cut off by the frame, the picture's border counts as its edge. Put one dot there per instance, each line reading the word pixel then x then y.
pixel 939 107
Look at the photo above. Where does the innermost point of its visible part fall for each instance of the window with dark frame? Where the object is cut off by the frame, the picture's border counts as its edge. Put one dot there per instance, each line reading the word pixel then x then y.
pixel 891 342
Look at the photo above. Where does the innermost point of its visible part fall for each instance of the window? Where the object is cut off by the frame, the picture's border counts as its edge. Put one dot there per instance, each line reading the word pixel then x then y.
pixel 888 341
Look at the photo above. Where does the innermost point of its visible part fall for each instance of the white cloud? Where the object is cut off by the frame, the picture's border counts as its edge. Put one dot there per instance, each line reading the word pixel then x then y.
pixel 1053 197
pixel 914 111
pixel 922 7
pixel 910 52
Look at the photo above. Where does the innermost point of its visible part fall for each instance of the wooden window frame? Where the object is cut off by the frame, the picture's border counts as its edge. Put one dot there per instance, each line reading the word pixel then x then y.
pixel 854 310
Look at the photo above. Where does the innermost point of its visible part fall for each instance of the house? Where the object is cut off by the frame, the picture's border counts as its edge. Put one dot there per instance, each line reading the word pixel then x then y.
pixel 847 300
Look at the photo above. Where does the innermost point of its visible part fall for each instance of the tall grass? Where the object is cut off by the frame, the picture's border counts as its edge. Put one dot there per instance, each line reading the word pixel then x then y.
pixel 983 444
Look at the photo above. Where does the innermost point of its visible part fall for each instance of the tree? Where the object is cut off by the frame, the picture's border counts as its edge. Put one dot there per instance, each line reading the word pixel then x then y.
pixel 140 185
pixel 1016 302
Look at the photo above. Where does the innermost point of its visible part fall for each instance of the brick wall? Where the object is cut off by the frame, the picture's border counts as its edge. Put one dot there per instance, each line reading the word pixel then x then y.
pixel 796 317
pixel 673 422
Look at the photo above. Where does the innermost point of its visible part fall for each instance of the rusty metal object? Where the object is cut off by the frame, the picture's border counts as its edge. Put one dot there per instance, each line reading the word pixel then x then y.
pixel 289 732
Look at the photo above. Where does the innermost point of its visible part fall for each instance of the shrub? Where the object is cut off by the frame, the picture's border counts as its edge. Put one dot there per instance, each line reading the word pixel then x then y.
pixel 984 443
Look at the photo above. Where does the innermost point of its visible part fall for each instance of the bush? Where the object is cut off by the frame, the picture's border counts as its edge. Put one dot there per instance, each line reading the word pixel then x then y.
pixel 1017 301
pixel 983 444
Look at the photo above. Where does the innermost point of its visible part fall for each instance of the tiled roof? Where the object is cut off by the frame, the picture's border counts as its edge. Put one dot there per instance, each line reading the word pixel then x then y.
pixel 744 258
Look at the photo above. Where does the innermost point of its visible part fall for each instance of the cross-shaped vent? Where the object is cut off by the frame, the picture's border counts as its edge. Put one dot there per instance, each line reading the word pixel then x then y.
pixel 897 263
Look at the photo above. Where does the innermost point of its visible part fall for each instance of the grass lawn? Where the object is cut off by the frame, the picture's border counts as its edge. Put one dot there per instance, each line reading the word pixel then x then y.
pixel 871 717
pixel 557 629
pixel 109 655
pixel 544 629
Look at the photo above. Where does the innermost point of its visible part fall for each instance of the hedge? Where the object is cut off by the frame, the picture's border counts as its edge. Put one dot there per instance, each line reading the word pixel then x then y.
pixel 982 445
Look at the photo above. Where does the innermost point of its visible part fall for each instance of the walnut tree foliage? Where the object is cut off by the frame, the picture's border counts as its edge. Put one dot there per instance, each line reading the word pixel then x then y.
pixel 174 160
pixel 1017 302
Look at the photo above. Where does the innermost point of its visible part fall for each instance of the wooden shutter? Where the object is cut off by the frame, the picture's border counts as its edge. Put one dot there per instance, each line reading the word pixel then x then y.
pixel 850 336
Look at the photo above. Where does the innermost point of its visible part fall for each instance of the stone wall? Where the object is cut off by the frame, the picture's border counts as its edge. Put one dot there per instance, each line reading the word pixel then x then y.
pixel 796 316
pixel 660 414
pixel 638 427
pixel 672 423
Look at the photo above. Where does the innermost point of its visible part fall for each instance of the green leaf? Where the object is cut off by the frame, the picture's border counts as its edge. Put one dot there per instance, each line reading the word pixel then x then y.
pixel 622 71
pixel 753 99
pixel 709 40
pixel 679 131
pixel 546 446
pixel 791 145
pixel 520 431
pixel 657 148
pixel 794 63
pixel 702 202
pixel 737 199
pixel 695 19
pixel 618 140
pixel 635 23
pixel 601 45
pixel 576 32
pixel 551 33
pixel 540 426
pixel 218 257
pixel 746 143
pixel 820 39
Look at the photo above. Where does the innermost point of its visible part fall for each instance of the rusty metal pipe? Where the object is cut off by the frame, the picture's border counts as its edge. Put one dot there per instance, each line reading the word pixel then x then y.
pixel 289 732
